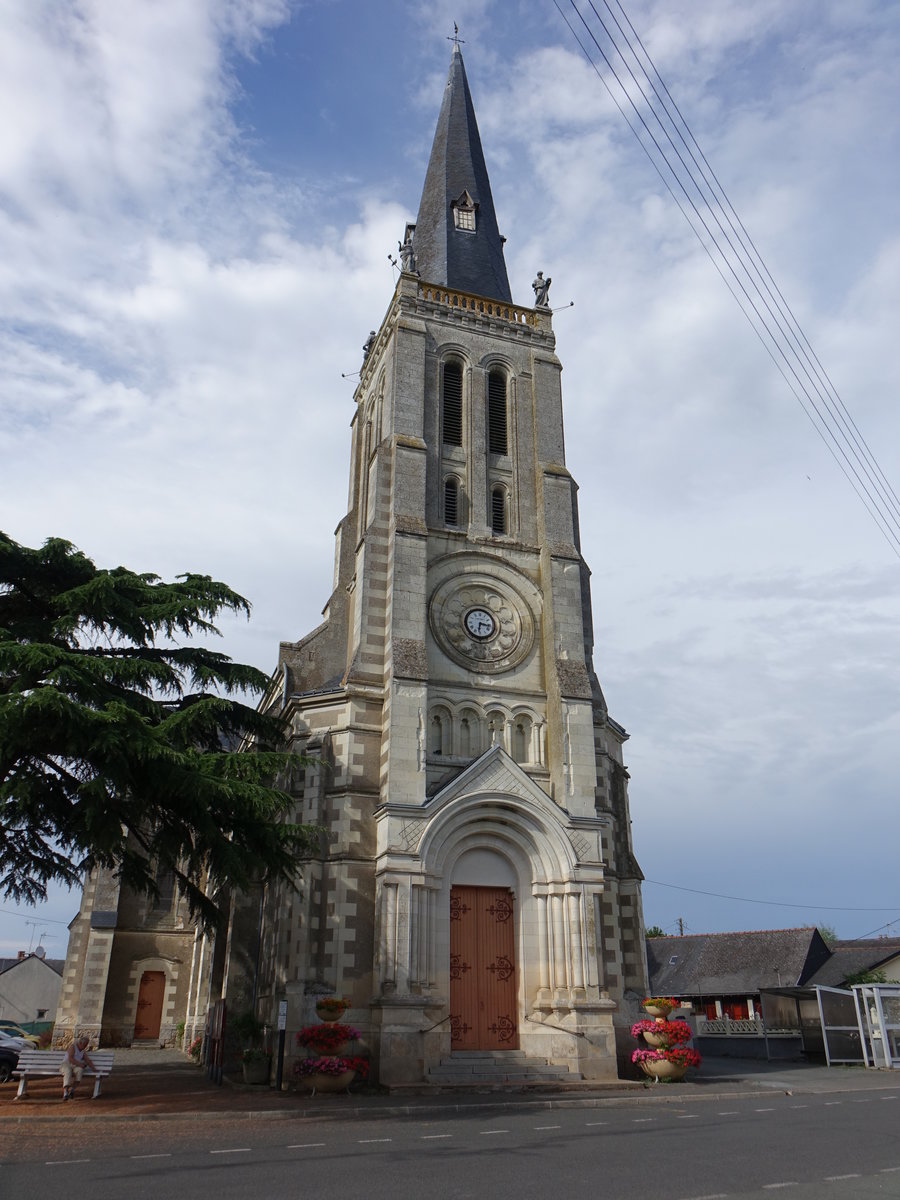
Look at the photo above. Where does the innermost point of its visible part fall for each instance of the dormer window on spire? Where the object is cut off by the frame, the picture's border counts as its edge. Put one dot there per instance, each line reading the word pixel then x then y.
pixel 464 209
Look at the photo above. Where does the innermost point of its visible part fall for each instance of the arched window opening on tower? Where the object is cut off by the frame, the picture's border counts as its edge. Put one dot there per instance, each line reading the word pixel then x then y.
pixel 452 404
pixel 498 511
pixel 497 440
pixel 451 501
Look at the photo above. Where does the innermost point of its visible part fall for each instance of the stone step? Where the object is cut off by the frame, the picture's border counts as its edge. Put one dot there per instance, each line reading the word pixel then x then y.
pixel 498 1067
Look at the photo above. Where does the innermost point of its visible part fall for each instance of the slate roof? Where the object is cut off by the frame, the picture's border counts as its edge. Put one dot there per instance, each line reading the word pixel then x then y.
pixel 55 964
pixel 457 258
pixel 733 964
pixel 849 958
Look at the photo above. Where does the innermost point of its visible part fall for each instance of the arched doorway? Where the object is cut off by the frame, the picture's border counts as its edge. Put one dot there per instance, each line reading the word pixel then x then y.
pixel 150 1005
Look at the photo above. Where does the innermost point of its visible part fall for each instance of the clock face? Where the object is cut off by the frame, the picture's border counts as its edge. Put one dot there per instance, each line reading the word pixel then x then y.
pixel 480 624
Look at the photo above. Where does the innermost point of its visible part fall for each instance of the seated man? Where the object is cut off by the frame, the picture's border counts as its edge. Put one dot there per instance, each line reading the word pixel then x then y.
pixel 72 1069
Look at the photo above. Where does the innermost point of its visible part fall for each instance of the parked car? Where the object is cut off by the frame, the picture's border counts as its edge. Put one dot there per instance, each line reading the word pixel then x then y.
pixel 11 1029
pixel 8 1060
pixel 14 1043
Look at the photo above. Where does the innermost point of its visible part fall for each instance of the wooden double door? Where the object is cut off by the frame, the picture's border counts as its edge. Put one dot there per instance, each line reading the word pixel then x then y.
pixel 483 992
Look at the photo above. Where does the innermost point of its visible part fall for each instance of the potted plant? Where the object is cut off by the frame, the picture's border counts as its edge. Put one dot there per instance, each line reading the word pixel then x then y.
pixel 327 1073
pixel 666 1055
pixel 331 1008
pixel 255 1059
pixel 329 1065
pixel 659 1006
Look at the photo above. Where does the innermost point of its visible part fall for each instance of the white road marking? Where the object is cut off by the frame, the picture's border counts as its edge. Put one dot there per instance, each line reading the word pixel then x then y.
pixel 729 1112
pixel 151 1155
pixel 548 1126
pixel 787 1183
pixel 63 1162
pixel 710 1196
pixel 234 1150
pixel 369 1141
pixel 832 1178
pixel 305 1145
pixel 832 1103
pixel 887 1097
pixel 799 1106
pixel 690 1117
pixel 764 1110
pixel 596 1122
pixel 867 1101
pixel 431 1137
pixel 485 1132
pixel 643 1120
pixel 887 1170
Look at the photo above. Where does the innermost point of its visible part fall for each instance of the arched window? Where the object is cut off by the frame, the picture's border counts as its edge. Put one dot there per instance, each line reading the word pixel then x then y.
pixel 465 738
pixel 452 404
pixel 522 740
pixel 498 510
pixel 451 501
pixel 437 735
pixel 497 439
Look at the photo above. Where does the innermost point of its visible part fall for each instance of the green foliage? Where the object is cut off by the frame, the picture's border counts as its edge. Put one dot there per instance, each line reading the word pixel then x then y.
pixel 654 932
pixel 119 743
pixel 246 1028
pixel 828 935
pixel 866 977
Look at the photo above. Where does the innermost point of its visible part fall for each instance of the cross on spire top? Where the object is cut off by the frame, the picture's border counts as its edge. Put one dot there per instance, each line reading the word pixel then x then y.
pixel 456 39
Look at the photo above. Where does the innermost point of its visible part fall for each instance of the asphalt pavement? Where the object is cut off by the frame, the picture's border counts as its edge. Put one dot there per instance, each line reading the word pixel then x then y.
pixel 162 1084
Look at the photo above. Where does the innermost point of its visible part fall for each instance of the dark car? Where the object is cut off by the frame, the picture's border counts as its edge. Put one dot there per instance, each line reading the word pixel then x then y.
pixel 8 1060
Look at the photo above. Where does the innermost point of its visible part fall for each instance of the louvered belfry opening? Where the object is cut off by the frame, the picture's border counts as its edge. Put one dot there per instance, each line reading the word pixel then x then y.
pixel 452 405
pixel 497 441
pixel 498 511
pixel 451 501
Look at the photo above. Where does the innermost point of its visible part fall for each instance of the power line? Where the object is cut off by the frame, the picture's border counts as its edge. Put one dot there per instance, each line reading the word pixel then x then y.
pixel 753 286
pixel 774 903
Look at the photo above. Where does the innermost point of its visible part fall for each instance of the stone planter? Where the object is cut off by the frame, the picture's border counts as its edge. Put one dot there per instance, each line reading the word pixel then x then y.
pixel 321 1082
pixel 257 1070
pixel 661 1068
pixel 329 1015
pixel 654 1039
pixel 653 1010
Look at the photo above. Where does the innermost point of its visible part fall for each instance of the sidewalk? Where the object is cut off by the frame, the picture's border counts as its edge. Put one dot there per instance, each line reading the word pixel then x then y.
pixel 163 1084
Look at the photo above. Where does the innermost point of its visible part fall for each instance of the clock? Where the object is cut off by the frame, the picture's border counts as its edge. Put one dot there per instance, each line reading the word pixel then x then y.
pixel 480 624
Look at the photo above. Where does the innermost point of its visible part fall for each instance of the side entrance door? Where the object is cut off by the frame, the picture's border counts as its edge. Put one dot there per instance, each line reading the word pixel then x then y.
pixel 483 993
pixel 150 1005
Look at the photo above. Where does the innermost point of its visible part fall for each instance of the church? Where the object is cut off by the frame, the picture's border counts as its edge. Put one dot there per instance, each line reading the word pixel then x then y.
pixel 476 898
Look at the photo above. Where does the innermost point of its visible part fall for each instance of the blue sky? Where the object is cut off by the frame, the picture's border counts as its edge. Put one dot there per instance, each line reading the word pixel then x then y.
pixel 197 204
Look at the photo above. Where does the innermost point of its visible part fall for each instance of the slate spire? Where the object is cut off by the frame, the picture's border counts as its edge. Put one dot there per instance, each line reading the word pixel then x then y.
pixel 457 242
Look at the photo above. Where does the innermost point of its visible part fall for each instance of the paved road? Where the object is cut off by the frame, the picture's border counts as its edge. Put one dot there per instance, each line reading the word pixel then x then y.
pixel 842 1146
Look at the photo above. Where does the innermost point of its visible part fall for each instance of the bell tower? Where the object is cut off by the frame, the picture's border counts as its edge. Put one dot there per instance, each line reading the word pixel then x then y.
pixel 476 888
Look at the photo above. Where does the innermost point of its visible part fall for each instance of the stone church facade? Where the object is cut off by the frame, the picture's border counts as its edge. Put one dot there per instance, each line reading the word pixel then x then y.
pixel 476 889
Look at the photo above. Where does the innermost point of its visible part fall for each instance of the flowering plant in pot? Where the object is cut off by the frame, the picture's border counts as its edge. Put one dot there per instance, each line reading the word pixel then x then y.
pixel 659 1006
pixel 330 1073
pixel 331 1008
pixel 327 1038
pixel 662 1033
pixel 680 1057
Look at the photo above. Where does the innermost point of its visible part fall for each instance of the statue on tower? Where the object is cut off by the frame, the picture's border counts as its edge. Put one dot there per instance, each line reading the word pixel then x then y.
pixel 407 254
pixel 541 291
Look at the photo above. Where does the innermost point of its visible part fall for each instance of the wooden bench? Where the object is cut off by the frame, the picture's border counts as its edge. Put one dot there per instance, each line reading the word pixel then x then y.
pixel 33 1063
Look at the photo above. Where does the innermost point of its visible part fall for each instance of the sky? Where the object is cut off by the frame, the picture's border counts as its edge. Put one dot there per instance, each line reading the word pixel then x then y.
pixel 198 201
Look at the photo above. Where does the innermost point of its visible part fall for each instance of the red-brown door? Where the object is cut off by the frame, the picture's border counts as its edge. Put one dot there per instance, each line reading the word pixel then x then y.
pixel 150 1005
pixel 483 997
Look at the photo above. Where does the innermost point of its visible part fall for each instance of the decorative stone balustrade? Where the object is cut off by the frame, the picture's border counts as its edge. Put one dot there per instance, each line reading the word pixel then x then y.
pixel 477 305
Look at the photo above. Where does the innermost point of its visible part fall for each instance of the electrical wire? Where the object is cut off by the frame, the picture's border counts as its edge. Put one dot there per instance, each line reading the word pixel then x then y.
pixel 732 250
pixel 774 903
